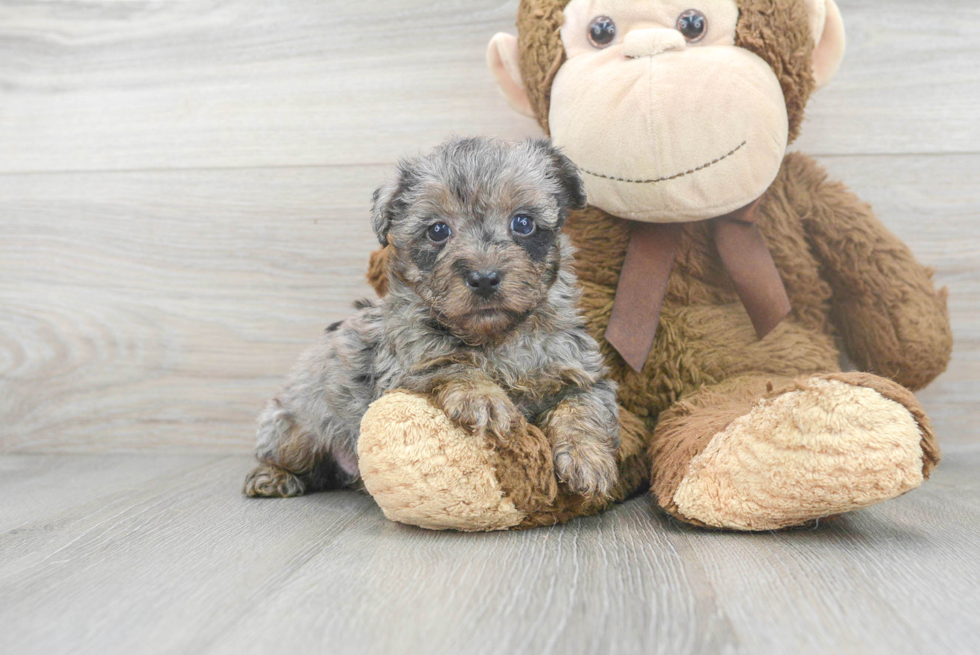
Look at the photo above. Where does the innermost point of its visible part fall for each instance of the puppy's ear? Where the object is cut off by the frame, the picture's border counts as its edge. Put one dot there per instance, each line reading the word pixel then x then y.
pixel 571 182
pixel 572 195
pixel 390 203
pixel 381 214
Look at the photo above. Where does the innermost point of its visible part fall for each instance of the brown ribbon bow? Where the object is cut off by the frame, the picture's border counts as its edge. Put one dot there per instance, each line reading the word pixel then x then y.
pixel 646 271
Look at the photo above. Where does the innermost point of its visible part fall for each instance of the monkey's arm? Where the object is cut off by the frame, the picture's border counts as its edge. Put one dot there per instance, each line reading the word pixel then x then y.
pixel 893 320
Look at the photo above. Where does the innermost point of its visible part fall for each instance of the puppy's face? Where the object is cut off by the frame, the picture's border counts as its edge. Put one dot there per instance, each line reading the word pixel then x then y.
pixel 474 229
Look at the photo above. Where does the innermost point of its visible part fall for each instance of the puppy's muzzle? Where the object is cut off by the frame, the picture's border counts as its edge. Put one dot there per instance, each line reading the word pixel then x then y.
pixel 483 283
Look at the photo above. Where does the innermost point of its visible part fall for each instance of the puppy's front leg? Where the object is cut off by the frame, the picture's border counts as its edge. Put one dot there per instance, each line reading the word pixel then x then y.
pixel 584 433
pixel 470 398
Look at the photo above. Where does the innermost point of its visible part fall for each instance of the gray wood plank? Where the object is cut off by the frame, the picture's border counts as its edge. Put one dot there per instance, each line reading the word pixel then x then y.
pixel 185 564
pixel 43 485
pixel 108 85
pixel 230 83
pixel 157 570
pixel 909 84
pixel 147 310
pixel 159 310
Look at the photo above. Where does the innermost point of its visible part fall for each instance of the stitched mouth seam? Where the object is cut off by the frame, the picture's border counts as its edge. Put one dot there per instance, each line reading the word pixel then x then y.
pixel 672 177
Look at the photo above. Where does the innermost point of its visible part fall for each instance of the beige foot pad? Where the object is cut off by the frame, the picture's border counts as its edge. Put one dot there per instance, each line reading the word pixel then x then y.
pixel 824 449
pixel 423 470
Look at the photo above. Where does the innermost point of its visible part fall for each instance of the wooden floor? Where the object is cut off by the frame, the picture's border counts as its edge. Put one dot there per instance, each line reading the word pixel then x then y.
pixel 160 554
pixel 184 192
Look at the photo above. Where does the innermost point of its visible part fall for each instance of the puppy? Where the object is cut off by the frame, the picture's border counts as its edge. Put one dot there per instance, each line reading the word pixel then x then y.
pixel 480 315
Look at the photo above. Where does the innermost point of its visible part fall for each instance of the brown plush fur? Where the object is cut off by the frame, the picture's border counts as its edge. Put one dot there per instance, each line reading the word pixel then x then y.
pixel 854 279
pixel 846 275
pixel 778 31
pixel 541 51
pixel 526 474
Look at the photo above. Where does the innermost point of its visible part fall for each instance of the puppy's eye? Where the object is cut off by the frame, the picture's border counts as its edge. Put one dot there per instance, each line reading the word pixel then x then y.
pixel 438 232
pixel 522 225
pixel 602 32
pixel 693 25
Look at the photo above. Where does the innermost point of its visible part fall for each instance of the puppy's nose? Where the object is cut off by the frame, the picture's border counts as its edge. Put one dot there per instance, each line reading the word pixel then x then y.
pixel 483 283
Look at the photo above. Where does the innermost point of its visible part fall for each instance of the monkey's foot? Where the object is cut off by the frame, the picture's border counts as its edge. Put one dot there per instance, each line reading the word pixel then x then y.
pixel 424 470
pixel 269 481
pixel 827 445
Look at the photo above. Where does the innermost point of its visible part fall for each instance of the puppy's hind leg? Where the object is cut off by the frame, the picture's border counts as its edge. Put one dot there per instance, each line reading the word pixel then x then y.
pixel 307 437
pixel 286 454
pixel 271 481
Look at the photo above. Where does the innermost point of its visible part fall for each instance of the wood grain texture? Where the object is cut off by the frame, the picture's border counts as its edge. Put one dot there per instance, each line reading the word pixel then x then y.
pixel 183 563
pixel 160 310
pixel 141 84
pixel 49 485
pixel 909 83
pixel 183 205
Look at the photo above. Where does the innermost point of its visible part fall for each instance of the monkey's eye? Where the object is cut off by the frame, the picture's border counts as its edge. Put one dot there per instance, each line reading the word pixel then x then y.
pixel 693 25
pixel 438 232
pixel 602 32
pixel 522 225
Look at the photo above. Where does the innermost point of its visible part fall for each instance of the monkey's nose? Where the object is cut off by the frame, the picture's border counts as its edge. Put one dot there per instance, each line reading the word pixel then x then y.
pixel 652 42
pixel 483 283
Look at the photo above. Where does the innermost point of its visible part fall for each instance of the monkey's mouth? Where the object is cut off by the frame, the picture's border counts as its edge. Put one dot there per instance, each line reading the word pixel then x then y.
pixel 672 177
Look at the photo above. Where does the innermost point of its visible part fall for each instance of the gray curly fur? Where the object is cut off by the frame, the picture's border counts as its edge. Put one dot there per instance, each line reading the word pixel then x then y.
pixel 484 361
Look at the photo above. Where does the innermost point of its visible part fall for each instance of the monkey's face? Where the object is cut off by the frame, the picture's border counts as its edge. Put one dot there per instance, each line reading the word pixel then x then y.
pixel 474 231
pixel 668 119
pixel 675 110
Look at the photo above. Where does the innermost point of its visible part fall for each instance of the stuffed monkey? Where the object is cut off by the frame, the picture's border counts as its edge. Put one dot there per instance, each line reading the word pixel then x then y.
pixel 718 273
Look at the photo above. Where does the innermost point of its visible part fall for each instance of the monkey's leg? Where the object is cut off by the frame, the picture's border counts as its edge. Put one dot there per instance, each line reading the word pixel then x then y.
pixel 583 430
pixel 757 453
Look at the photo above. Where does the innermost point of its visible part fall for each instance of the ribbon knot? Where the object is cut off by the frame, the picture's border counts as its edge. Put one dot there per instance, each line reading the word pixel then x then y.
pixel 646 272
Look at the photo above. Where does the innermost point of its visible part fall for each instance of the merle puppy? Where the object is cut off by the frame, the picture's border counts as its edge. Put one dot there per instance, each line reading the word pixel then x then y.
pixel 480 315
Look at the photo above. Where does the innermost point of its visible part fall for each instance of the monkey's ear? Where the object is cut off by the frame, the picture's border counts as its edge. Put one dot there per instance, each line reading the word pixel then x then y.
pixel 568 176
pixel 504 61
pixel 828 35
pixel 389 203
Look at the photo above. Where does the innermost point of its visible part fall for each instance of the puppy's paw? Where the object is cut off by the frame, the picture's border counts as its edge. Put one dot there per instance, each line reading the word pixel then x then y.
pixel 586 467
pixel 268 481
pixel 482 410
